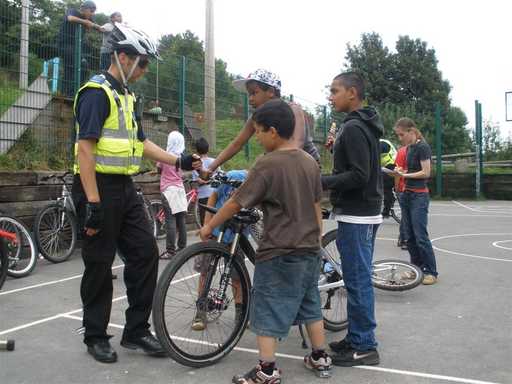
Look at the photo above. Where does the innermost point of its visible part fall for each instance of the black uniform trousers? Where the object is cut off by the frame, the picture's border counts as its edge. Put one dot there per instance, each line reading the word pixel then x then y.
pixel 126 229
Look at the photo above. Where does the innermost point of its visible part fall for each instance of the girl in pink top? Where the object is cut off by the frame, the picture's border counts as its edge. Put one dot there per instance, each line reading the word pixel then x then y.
pixel 174 197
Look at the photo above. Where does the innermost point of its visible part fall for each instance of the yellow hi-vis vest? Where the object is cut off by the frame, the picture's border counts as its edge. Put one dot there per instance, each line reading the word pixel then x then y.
pixel 389 157
pixel 118 150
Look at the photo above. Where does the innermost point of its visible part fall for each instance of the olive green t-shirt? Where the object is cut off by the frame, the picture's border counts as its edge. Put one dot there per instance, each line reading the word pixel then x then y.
pixel 286 184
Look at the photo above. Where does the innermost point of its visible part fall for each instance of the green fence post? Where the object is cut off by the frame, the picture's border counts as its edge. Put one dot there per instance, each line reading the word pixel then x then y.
pixel 78 59
pixel 439 152
pixel 478 144
pixel 246 117
pixel 182 88
pixel 481 147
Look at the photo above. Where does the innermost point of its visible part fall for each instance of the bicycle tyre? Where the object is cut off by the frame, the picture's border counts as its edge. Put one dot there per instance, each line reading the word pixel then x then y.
pixel 196 213
pixel 395 216
pixel 4 262
pixel 49 220
pixel 161 231
pixel 24 251
pixel 341 323
pixel 167 285
pixel 397 282
pixel 148 212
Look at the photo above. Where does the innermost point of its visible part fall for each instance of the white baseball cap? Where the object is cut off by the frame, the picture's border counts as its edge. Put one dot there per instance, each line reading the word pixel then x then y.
pixel 261 76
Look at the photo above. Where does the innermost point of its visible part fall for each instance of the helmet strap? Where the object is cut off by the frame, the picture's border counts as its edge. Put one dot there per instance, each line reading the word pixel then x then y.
pixel 124 77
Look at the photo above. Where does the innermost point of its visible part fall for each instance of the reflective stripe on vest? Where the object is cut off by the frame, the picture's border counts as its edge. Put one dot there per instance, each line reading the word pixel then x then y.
pixel 118 151
pixel 388 157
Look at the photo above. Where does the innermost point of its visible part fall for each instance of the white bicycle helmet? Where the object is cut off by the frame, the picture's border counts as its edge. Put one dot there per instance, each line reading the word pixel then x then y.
pixel 125 38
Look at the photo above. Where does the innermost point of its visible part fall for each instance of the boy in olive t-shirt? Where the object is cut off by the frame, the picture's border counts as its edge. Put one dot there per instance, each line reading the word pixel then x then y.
pixel 285 182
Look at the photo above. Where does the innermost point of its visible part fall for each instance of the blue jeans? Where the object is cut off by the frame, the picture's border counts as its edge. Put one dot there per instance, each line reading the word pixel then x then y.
pixel 403 221
pixel 415 211
pixel 356 243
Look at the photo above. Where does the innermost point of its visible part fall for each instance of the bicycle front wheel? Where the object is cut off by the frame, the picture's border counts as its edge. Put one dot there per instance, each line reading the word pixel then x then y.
pixel 55 232
pixel 21 251
pixel 396 275
pixel 195 285
pixel 334 300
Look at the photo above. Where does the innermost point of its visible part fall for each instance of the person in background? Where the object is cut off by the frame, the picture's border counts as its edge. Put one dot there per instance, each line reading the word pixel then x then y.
pixel 106 48
pixel 217 199
pixel 416 198
pixel 204 190
pixel 67 40
pixel 262 86
pixel 174 198
pixel 401 162
pixel 387 160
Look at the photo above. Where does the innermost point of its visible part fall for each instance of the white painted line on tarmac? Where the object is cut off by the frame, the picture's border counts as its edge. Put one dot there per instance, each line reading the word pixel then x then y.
pixel 49 282
pixel 66 314
pixel 503 210
pixel 468 254
pixel 459 215
pixel 497 244
pixel 295 357
pixel 464 206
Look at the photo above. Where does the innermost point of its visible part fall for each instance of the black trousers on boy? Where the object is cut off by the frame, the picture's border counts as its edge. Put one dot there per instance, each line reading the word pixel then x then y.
pixel 126 229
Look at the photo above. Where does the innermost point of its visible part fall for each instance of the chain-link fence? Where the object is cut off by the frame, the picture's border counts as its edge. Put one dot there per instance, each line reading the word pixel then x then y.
pixel 44 61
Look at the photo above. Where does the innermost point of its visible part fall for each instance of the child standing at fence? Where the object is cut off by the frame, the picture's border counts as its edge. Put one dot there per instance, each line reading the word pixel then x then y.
pixel 204 190
pixel 286 183
pixel 174 198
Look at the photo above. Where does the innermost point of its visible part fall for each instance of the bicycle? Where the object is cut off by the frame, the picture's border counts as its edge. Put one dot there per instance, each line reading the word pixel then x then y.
pixel 192 208
pixel 20 248
pixel 4 259
pixel 148 209
pixel 56 226
pixel 180 281
pixel 387 274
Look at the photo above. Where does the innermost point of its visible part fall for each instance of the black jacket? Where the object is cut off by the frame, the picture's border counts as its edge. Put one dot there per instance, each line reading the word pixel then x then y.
pixel 356 180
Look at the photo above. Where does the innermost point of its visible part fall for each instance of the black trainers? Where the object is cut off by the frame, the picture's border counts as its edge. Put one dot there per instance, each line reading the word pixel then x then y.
pixel 340 346
pixel 257 376
pixel 352 357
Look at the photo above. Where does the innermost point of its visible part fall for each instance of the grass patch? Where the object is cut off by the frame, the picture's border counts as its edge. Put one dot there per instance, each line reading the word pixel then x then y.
pixel 9 93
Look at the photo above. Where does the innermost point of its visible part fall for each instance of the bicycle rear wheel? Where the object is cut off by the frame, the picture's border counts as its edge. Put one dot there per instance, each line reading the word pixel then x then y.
pixel 3 261
pixel 55 233
pixel 148 211
pixel 334 301
pixel 159 214
pixel 396 275
pixel 21 252
pixel 194 210
pixel 193 281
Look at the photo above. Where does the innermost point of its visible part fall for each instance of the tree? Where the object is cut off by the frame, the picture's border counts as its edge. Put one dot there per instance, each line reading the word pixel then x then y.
pixel 491 140
pixel 407 82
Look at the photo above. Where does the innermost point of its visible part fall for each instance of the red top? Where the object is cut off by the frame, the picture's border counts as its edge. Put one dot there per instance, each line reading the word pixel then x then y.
pixel 401 161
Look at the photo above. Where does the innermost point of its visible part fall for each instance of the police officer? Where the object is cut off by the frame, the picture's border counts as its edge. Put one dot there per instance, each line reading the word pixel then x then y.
pixel 109 148
pixel 387 160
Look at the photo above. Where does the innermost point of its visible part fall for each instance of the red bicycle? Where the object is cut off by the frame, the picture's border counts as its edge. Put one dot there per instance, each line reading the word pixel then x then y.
pixel 5 238
pixel 192 208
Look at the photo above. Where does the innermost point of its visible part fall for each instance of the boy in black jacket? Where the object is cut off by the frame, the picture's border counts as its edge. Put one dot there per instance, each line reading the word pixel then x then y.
pixel 356 195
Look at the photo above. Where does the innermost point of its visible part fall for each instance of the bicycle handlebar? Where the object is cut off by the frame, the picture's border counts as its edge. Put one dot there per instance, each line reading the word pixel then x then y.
pixel 55 176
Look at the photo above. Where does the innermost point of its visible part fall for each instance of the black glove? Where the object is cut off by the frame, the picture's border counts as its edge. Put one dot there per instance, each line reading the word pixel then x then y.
pixel 93 215
pixel 185 162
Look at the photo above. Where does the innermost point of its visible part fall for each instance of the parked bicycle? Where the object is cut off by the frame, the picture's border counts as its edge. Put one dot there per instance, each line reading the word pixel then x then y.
pixel 19 246
pixel 192 208
pixel 55 226
pixel 4 259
